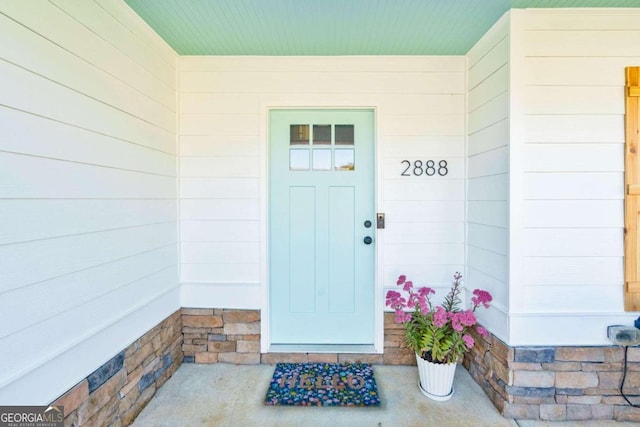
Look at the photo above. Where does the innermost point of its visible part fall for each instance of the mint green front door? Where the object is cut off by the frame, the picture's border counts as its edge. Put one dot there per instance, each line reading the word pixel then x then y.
pixel 321 226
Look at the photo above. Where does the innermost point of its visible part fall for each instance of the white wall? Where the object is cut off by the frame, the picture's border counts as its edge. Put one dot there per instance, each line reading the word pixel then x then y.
pixel 568 72
pixel 420 115
pixel 488 172
pixel 88 241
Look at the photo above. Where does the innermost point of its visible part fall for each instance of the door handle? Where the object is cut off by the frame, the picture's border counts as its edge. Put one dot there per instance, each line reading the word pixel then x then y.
pixel 368 240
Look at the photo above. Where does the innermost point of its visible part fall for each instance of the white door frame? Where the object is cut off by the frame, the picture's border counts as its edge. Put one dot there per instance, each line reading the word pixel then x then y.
pixel 265 108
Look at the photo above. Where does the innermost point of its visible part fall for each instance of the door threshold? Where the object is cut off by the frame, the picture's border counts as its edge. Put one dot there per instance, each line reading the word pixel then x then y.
pixel 322 348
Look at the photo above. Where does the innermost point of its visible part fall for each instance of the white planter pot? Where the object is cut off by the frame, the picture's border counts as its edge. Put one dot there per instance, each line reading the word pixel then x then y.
pixel 436 379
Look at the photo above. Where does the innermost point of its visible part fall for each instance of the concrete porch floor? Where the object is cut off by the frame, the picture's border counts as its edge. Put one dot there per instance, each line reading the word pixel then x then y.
pixel 231 395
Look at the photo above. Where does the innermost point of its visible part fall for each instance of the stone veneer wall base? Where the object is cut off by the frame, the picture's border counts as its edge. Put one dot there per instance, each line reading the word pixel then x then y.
pixel 556 383
pixel 115 393
pixel 538 383
pixel 233 336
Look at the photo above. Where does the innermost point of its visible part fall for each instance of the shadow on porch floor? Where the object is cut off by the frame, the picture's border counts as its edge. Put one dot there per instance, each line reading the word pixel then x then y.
pixel 231 395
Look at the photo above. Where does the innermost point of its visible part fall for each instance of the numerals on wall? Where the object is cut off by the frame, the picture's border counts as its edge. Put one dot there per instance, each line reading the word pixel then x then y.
pixel 428 168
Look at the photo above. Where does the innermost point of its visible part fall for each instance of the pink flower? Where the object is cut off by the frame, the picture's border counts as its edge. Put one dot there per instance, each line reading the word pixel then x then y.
pixel 392 298
pixel 412 301
pixel 402 317
pixel 424 308
pixel 440 317
pixel 468 341
pixel 481 298
pixel 393 294
pixel 424 321
pixel 467 318
pixel 395 300
pixel 425 292
pixel 455 322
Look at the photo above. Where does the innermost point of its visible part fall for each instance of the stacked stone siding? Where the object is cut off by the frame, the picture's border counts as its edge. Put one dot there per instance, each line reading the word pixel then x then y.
pixel 216 335
pixel 233 336
pixel 396 351
pixel 556 383
pixel 116 392
pixel 539 383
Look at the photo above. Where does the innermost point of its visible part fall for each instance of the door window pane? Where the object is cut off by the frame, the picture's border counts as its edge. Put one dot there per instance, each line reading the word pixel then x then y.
pixel 299 160
pixel 299 134
pixel 322 160
pixel 344 160
pixel 344 135
pixel 322 134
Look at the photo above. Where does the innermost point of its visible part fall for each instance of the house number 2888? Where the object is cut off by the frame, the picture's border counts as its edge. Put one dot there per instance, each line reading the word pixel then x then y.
pixel 429 168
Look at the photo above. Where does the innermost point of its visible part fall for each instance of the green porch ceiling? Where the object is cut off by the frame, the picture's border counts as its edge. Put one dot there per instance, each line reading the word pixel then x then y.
pixel 333 27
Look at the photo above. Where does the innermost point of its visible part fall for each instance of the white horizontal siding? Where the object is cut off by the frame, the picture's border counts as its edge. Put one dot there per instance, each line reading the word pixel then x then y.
pixel 62 66
pixel 220 209
pixel 220 252
pixel 573 213
pixel 68 180
pixel 216 294
pixel 419 104
pixel 427 189
pixel 219 187
pixel 212 145
pixel 28 91
pixel 50 297
pixel 322 82
pixel 574 158
pixel 583 100
pixel 65 255
pixel 587 242
pixel 488 212
pixel 488 188
pixel 572 109
pixel 49 218
pixel 221 273
pixel 416 232
pixel 415 145
pixel 396 254
pixel 574 186
pixel 578 128
pixel 488 237
pixel 87 191
pixel 487 243
pixel 418 125
pixel 24 132
pixel 566 328
pixel 357 64
pixel 101 49
pixel 602 43
pixel 573 270
pixel 594 72
pixel 248 103
pixel 219 166
pixel 564 299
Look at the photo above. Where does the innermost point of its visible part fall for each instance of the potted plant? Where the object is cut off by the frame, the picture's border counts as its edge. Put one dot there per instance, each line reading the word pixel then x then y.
pixel 438 335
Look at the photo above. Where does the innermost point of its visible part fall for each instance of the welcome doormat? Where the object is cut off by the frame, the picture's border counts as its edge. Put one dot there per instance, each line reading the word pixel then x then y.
pixel 323 384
